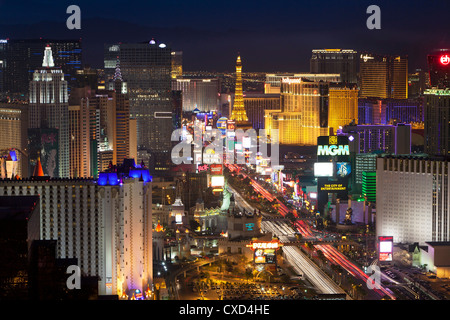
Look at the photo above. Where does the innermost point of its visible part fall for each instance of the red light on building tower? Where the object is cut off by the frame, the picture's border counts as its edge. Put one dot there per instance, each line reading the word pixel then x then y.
pixel 445 59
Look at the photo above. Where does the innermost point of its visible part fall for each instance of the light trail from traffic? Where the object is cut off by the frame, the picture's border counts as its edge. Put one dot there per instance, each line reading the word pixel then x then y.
pixel 336 257
pixel 297 257
pixel 299 261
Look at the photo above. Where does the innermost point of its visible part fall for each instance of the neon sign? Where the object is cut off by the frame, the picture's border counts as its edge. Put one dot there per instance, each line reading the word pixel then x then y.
pixel 445 59
pixel 249 226
pixel 264 245
pixel 333 150
pixel 291 80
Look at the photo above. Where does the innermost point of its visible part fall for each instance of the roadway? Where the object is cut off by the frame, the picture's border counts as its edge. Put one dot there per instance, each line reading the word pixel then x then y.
pixel 284 232
pixel 299 261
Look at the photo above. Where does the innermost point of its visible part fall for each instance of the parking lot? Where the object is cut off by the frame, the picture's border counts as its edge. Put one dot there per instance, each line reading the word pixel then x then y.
pixel 258 291
pixel 420 280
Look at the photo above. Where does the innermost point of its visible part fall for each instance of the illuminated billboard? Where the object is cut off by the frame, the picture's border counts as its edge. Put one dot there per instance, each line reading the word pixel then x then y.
pixel 265 251
pixel 333 150
pixel 343 169
pixel 263 256
pixel 332 147
pixel 216 169
pixel 332 186
pixel 385 248
pixel 323 169
pixel 44 144
pixel 222 123
pixel 217 181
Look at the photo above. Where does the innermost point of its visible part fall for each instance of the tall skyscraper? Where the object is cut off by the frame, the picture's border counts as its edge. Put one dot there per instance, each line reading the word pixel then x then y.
pixel 412 198
pixel 49 109
pixel 437 121
pixel 417 83
pixel 383 76
pixel 79 142
pixel 198 93
pixel 341 61
pixel 177 64
pixel 106 224
pixel 100 132
pixel 343 106
pixel 21 57
pixel 272 85
pixel 303 115
pixel 439 68
pixel 238 113
pixel 147 68
pixel 256 104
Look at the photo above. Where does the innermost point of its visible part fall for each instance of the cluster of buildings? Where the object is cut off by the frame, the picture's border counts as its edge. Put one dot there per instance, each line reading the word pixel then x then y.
pixel 88 154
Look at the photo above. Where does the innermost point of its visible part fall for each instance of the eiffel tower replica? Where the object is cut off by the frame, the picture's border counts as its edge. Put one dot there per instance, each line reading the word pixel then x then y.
pixel 238 114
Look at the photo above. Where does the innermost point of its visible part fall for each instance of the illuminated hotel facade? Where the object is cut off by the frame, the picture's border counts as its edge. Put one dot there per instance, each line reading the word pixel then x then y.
pixel 341 61
pixel 147 68
pixel 437 121
pixel 49 108
pixel 20 57
pixel 383 76
pixel 272 85
pixel 343 107
pixel 308 109
pixel 413 198
pixel 439 68
pixel 256 104
pixel 201 94
pixel 105 224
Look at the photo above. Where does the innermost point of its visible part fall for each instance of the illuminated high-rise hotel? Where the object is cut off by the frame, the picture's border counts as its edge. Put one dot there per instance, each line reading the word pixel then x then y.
pixel 343 107
pixel 177 64
pixel 304 111
pixel 439 68
pixel 238 113
pixel 198 93
pixel 147 67
pixel 105 224
pixel 312 108
pixel 21 57
pixel 437 121
pixel 340 61
pixel 383 76
pixel 49 109
pixel 413 198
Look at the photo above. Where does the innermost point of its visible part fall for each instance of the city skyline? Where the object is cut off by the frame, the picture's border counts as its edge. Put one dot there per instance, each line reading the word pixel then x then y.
pixel 266 42
pixel 135 141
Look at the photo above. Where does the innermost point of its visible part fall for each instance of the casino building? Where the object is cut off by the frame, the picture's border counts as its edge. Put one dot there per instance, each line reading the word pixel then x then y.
pixel 106 223
pixel 439 67
pixel 413 198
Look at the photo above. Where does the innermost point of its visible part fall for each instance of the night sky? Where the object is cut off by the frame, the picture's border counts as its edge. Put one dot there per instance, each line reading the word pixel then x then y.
pixel 270 35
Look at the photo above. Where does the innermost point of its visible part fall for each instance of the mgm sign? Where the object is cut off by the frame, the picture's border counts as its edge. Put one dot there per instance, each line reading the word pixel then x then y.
pixel 331 147
pixel 335 150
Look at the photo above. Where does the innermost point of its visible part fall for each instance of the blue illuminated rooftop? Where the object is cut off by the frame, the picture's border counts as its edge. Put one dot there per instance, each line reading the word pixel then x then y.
pixel 128 170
